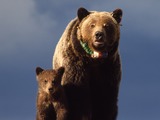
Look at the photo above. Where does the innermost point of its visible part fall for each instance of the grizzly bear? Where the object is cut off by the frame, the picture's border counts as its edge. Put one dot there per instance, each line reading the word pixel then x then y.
pixel 88 49
pixel 51 99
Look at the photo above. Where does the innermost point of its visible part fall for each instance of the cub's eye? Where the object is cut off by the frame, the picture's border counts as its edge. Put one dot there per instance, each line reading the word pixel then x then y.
pixel 54 82
pixel 92 25
pixel 45 81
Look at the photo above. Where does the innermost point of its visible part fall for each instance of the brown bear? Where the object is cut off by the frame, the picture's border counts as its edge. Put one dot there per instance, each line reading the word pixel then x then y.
pixel 88 49
pixel 51 99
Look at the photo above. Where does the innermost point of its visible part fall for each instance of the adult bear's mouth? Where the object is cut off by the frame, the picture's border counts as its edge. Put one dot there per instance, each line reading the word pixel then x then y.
pixel 99 47
pixel 98 44
pixel 99 41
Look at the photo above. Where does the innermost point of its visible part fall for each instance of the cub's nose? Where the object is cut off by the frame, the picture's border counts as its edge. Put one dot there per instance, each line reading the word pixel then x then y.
pixel 50 89
pixel 99 35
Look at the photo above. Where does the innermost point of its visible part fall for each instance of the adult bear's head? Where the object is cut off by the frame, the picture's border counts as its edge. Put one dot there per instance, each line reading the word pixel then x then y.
pixel 99 32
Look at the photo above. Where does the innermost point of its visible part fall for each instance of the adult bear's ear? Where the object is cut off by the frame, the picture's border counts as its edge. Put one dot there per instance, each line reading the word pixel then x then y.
pixel 38 70
pixel 82 13
pixel 117 15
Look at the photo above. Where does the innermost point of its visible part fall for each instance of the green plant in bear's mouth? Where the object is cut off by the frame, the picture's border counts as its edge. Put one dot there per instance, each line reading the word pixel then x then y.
pixel 86 48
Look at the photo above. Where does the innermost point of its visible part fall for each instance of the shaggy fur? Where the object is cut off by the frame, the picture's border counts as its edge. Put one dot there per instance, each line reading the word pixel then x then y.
pixel 91 83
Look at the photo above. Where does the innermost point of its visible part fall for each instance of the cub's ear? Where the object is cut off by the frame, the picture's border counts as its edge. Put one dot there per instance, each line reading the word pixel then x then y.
pixel 39 70
pixel 59 75
pixel 117 14
pixel 82 13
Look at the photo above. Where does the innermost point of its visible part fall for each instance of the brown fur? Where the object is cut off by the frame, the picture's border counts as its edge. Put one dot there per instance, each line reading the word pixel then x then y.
pixel 91 84
pixel 51 99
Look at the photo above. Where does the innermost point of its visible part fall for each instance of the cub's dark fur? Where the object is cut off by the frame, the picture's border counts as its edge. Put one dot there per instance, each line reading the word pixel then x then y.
pixel 51 99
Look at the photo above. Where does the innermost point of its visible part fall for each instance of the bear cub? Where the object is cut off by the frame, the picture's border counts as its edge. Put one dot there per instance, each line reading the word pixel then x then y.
pixel 51 99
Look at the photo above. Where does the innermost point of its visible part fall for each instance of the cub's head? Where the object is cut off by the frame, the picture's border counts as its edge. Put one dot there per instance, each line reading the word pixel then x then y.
pixel 49 81
pixel 99 31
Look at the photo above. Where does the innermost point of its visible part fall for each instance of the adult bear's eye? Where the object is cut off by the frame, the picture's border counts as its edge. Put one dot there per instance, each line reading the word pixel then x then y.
pixel 92 25
pixel 104 25
pixel 108 27
pixel 54 82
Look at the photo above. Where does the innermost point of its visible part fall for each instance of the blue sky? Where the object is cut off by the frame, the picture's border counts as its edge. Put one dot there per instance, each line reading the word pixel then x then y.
pixel 30 29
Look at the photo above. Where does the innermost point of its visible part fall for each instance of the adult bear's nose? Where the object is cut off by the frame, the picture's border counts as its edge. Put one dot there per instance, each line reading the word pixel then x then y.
pixel 99 35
